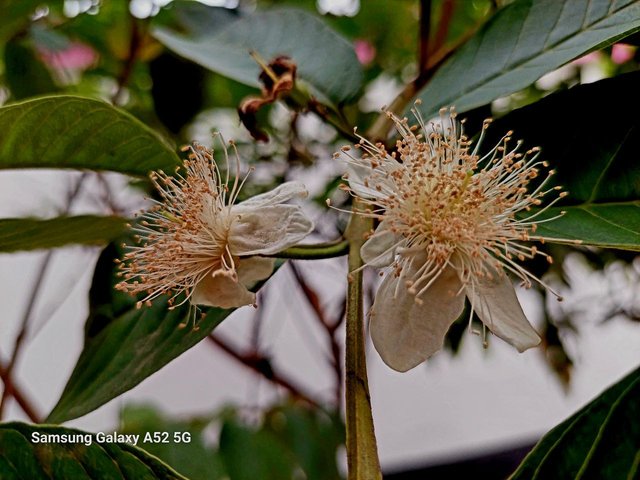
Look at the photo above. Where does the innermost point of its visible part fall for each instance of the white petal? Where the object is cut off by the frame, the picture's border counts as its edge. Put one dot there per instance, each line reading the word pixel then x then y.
pixel 281 194
pixel 222 291
pixel 378 250
pixel 405 333
pixel 253 269
pixel 358 173
pixel 267 230
pixel 496 304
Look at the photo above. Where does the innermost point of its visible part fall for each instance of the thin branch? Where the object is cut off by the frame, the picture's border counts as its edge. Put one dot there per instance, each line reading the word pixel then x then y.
pixel 261 365
pixel 22 333
pixel 446 15
pixel 330 329
pixel 25 404
pixel 135 42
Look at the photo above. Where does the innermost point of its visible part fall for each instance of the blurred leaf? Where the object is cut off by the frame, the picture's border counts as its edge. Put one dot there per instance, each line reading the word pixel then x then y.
pixel 601 441
pixel 194 458
pixel 48 38
pixel 293 442
pixel 194 18
pixel 522 42
pixel 325 60
pixel 23 458
pixel 590 136
pixel 75 132
pixel 25 73
pixel 176 98
pixel 18 234
pixel 249 454
pixel 16 13
pixel 312 436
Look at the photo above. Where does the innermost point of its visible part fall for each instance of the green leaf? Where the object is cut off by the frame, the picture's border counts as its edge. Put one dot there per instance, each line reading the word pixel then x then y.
pixel 25 73
pixel 601 441
pixel 194 458
pixel 312 436
pixel 31 234
pixel 590 136
pixel 16 13
pixel 522 42
pixel 325 60
pixel 614 225
pixel 75 132
pixel 292 439
pixel 124 344
pixel 250 454
pixel 24 455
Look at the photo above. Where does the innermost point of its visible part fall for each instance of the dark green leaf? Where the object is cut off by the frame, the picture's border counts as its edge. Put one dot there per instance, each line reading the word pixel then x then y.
pixel 24 455
pixel 125 344
pixel 194 457
pixel 590 136
pixel 75 132
pixel 312 436
pixel 16 13
pixel 613 225
pixel 522 42
pixel 31 234
pixel 325 60
pixel 250 454
pixel 601 441
pixel 25 74
pixel 292 440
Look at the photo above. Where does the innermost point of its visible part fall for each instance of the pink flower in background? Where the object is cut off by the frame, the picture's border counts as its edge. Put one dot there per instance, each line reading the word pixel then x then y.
pixel 364 51
pixel 622 53
pixel 77 56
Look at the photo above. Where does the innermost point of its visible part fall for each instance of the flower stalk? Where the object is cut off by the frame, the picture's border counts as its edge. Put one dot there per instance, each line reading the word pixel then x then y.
pixel 362 451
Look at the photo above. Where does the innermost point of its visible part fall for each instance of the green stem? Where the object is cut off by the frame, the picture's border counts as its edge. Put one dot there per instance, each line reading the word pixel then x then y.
pixel 317 251
pixel 362 451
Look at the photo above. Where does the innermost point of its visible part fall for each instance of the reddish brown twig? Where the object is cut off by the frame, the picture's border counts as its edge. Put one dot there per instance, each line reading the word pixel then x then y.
pixel 329 327
pixel 262 365
pixel 10 389
pixel 135 42
pixel 444 22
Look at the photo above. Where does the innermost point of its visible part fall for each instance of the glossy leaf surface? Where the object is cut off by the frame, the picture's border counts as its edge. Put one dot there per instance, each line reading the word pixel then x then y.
pixel 325 60
pixel 75 132
pixel 522 42
pixel 18 234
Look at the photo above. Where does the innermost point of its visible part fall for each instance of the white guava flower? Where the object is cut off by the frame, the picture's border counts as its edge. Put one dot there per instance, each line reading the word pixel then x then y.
pixel 449 228
pixel 198 241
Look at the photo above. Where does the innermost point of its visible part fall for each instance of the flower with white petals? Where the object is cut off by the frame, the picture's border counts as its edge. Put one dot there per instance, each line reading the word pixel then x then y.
pixel 450 226
pixel 198 241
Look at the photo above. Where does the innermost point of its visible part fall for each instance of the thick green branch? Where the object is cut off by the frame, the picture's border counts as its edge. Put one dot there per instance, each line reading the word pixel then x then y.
pixel 315 252
pixel 362 452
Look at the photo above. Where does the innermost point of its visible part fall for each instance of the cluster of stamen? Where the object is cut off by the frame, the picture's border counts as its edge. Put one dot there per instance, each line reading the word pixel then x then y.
pixel 443 200
pixel 183 238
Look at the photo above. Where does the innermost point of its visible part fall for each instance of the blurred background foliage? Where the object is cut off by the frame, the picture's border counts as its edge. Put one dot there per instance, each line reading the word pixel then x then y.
pixel 110 50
